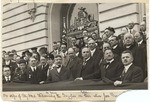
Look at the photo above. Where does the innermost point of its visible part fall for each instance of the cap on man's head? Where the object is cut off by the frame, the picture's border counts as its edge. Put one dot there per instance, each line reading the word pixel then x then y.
pixel 11 54
pixel 111 29
pixel 13 51
pixel 34 48
pixel 51 56
pixel 22 61
pixel 43 49
pixel 43 57
pixel 131 22
pixel 27 51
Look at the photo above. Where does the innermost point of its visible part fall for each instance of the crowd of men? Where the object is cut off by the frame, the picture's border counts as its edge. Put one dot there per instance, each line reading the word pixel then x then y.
pixel 111 59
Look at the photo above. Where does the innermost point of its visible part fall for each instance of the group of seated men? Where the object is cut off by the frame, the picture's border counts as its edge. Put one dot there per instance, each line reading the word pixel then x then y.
pixel 113 59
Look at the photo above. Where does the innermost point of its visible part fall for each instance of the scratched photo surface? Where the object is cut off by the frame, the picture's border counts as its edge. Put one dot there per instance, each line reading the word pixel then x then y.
pixel 73 46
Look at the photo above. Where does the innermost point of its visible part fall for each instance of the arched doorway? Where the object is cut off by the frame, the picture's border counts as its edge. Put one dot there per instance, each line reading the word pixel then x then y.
pixel 70 20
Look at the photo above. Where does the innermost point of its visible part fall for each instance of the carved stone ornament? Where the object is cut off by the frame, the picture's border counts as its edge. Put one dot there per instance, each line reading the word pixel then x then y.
pixel 32 11
pixel 82 21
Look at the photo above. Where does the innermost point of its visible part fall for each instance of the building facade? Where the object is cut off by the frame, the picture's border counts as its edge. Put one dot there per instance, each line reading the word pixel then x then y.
pixel 35 25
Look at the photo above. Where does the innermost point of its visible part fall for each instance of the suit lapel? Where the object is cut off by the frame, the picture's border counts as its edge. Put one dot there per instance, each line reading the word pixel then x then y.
pixel 55 72
pixel 62 70
pixel 103 69
pixel 72 62
pixel 87 64
pixel 109 66
pixel 4 80
pixel 94 54
pixel 128 72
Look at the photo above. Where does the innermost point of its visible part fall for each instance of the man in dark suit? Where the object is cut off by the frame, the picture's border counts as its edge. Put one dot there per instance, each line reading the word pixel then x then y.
pixel 109 31
pixel 73 41
pixel 141 53
pixel 77 50
pixel 131 73
pixel 43 68
pixel 95 51
pixel 73 64
pixel 59 72
pixel 63 53
pixel 21 72
pixel 55 49
pixel 89 70
pixel 143 29
pixel 129 44
pixel 7 78
pixel 111 68
pixel 35 53
pixel 33 72
pixel 10 63
pixel 114 42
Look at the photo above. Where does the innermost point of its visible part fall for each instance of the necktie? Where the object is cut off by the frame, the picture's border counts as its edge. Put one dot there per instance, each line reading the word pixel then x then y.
pixel 48 72
pixel 84 63
pixel 7 79
pixel 130 31
pixel 42 66
pixel 34 69
pixel 107 64
pixel 123 74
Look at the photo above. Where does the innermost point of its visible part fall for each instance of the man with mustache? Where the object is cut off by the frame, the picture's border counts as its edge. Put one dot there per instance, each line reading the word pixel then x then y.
pixel 59 72
pixel 131 73
pixel 110 67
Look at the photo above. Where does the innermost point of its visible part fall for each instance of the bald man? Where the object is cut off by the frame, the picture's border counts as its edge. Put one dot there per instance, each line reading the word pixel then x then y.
pixel 129 43
pixel 73 64
pixel 89 70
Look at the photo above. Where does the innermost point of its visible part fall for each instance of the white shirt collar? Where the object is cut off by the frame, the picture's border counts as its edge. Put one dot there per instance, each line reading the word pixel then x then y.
pixel 77 53
pixel 58 70
pixel 92 51
pixel 110 61
pixel 9 77
pixel 127 67
pixel 33 68
pixel 140 42
pixel 44 65
pixel 7 62
pixel 87 59
pixel 114 46
pixel 128 46
pixel 63 54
